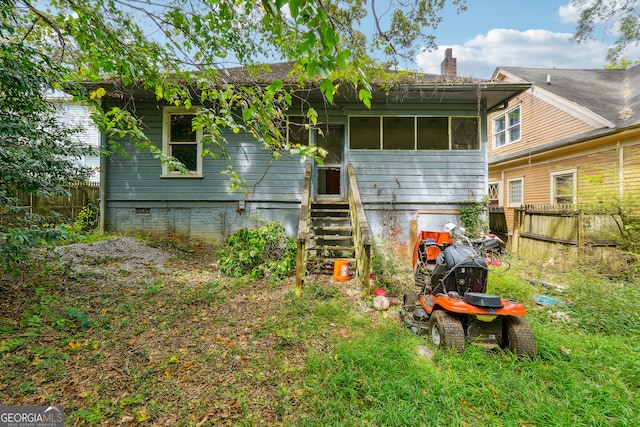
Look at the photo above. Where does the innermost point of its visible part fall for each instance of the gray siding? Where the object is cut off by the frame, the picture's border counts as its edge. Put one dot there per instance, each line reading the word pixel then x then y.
pixel 397 187
pixel 419 178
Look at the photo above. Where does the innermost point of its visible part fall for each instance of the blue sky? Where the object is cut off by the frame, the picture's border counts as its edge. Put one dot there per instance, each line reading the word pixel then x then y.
pixel 515 33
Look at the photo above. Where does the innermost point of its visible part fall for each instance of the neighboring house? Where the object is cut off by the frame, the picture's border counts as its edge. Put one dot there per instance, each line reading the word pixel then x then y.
pixel 78 116
pixel 419 154
pixel 573 137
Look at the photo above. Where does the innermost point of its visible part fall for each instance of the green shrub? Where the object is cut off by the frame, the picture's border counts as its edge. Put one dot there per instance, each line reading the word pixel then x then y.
pixel 261 252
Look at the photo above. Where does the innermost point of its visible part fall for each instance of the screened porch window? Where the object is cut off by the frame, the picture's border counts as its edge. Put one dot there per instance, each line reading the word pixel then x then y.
pixel 413 133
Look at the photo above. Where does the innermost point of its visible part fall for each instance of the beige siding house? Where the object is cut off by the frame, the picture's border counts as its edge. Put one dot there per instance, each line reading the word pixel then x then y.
pixel 573 137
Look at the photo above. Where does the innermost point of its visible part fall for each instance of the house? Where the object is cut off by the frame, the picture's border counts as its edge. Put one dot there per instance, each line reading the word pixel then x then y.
pixel 418 155
pixel 572 138
pixel 77 116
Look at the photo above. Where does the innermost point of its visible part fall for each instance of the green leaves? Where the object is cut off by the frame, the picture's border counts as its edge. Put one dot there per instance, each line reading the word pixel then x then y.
pixel 265 251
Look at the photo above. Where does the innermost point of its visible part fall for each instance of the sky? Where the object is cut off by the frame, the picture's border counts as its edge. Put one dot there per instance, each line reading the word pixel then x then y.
pixel 513 33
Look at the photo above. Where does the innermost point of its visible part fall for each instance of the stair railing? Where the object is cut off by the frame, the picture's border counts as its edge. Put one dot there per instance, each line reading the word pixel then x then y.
pixel 360 232
pixel 302 240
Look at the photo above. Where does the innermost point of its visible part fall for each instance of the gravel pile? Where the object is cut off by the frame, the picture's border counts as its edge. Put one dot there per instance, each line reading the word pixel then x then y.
pixel 124 254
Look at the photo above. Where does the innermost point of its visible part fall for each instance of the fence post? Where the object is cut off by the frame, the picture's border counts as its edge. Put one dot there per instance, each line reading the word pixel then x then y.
pixel 580 230
pixel 517 226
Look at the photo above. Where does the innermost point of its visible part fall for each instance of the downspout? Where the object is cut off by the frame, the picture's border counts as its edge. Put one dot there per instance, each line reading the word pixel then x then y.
pixel 103 183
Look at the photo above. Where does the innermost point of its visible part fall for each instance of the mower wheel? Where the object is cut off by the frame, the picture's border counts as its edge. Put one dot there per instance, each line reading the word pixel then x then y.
pixel 409 301
pixel 518 337
pixel 446 330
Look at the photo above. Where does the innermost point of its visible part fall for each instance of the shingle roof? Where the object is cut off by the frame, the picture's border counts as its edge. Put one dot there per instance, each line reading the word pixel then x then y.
pixel 613 94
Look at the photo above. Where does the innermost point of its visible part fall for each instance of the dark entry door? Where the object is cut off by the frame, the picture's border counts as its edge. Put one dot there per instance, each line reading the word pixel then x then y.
pixel 329 175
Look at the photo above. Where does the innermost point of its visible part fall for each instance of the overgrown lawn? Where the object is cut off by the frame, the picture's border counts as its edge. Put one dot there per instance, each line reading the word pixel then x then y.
pixel 184 345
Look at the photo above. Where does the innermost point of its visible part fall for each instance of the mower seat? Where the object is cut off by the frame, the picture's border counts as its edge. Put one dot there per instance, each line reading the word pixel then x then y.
pixel 483 300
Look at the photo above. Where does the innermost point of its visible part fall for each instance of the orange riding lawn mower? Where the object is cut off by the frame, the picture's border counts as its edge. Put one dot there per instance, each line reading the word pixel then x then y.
pixel 452 306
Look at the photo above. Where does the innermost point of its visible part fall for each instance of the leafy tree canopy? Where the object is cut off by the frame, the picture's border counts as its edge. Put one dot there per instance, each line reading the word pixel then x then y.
pixel 621 17
pixel 180 50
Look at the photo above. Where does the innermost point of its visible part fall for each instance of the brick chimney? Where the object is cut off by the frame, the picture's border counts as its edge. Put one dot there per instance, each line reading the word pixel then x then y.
pixel 448 67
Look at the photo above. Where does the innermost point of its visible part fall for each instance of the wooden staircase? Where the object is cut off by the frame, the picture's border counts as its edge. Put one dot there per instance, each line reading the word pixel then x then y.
pixel 330 236
pixel 328 231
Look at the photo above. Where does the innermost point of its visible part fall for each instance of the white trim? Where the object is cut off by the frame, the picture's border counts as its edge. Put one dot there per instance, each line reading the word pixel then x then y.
pixel 578 111
pixel 500 190
pixel 552 183
pixel 505 114
pixel 517 204
pixel 167 112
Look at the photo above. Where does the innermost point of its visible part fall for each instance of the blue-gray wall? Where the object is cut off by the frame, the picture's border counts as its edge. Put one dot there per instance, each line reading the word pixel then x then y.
pixel 397 187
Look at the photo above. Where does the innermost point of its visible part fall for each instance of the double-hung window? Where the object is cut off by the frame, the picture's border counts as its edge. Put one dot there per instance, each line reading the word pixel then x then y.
pixel 506 127
pixel 181 141
pixel 563 187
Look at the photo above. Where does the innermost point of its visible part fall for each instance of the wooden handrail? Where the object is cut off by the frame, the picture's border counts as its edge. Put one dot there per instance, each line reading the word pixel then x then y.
pixel 302 239
pixel 361 233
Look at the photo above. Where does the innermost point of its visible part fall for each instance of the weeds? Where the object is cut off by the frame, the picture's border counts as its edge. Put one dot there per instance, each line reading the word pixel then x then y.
pixel 262 252
pixel 188 346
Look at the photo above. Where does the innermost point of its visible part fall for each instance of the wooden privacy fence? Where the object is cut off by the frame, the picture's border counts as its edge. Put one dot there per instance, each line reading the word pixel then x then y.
pixel 558 231
pixel 68 205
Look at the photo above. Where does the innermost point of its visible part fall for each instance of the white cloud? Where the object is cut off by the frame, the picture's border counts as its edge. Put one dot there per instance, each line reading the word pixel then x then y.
pixel 569 13
pixel 480 56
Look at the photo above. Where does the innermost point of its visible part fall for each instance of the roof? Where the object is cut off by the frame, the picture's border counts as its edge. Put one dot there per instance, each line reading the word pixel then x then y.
pixel 403 86
pixel 612 94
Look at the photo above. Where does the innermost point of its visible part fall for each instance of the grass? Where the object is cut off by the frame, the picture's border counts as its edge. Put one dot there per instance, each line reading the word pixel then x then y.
pixel 187 346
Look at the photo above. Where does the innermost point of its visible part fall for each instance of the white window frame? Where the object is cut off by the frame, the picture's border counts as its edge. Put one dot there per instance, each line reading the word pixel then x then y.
pixel 167 112
pixel 507 129
pixel 552 184
pixel 499 191
pixel 512 203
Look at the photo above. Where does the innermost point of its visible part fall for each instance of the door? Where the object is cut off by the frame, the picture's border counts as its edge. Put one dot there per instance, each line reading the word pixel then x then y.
pixel 329 176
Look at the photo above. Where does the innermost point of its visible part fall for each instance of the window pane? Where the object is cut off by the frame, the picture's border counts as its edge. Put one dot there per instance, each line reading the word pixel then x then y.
pixel 398 133
pixel 563 187
pixel 514 133
pixel 464 134
pixel 364 133
pixel 187 154
pixel 499 124
pixel 433 133
pixel 297 132
pixel 182 128
pixel 514 117
pixel 515 192
pixel 500 139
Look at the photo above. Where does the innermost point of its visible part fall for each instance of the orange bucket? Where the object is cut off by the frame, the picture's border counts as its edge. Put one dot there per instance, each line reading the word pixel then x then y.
pixel 341 270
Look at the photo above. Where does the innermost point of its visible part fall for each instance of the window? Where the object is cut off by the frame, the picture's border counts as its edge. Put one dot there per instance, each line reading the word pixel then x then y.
pixel 414 133
pixel 494 194
pixel 398 133
pixel 433 133
pixel 364 133
pixel 182 141
pixel 298 133
pixel 464 133
pixel 563 187
pixel 516 192
pixel 506 128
